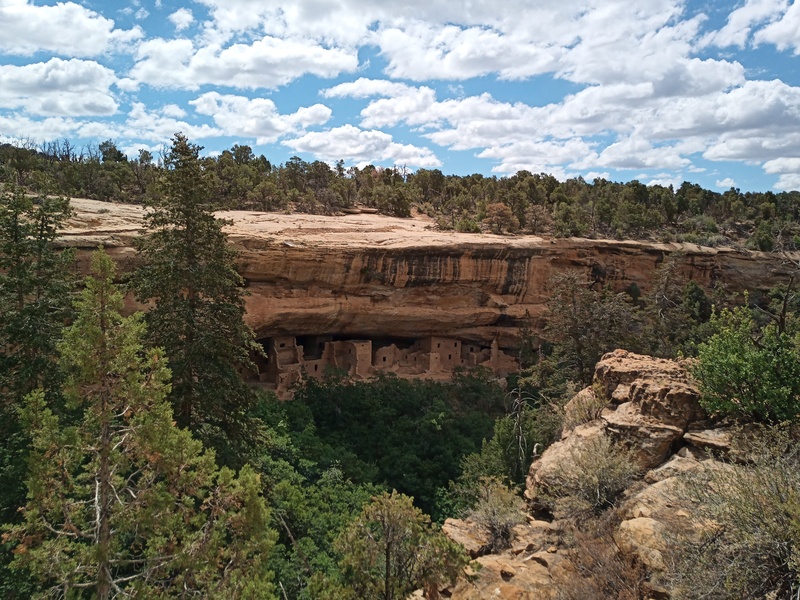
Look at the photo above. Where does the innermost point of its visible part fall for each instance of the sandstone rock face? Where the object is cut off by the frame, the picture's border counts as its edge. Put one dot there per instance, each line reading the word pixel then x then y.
pixel 656 402
pixel 469 535
pixel 523 572
pixel 652 403
pixel 368 276
pixel 652 408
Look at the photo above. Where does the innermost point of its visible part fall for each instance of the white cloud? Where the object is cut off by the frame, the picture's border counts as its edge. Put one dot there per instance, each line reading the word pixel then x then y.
pixel 783 165
pixel 67 29
pixel 181 18
pixel 58 88
pixel 358 145
pixel 365 88
pixel 725 184
pixel 20 127
pixel 788 169
pixel 788 181
pixel 665 180
pixel 537 157
pixel 127 85
pixel 266 63
pixel 159 126
pixel 742 21
pixel 424 51
pixel 635 152
pixel 257 118
pixel 783 32
pixel 173 110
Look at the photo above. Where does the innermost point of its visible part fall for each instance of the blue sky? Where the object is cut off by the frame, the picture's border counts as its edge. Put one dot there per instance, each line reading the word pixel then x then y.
pixel 656 90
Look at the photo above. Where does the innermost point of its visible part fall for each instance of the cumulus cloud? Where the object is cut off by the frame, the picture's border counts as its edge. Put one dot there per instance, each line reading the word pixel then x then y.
pixel 58 88
pixel 257 118
pixel 358 145
pixel 646 92
pixel 547 156
pixel 181 18
pixel 19 127
pixel 423 51
pixel 159 125
pixel 266 63
pixel 725 184
pixel 784 32
pixel 741 22
pixel 364 87
pixel 66 28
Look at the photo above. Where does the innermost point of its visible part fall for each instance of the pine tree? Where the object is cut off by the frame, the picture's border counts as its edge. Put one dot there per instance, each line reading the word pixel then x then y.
pixel 125 503
pixel 35 286
pixel 189 276
pixel 35 301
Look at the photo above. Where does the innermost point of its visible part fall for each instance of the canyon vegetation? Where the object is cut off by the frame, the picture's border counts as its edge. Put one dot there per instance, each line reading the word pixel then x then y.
pixel 143 456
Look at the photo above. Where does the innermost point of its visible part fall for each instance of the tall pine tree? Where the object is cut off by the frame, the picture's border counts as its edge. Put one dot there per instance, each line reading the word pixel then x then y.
pixel 35 302
pixel 124 503
pixel 189 277
pixel 35 286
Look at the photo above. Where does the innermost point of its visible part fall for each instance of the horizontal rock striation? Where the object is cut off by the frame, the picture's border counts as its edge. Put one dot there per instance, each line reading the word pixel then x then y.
pixel 370 276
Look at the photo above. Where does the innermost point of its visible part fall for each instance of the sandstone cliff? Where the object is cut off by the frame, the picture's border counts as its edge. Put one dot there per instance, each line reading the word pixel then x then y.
pixel 370 276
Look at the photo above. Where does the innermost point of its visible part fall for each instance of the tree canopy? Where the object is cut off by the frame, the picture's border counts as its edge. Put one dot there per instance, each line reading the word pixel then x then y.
pixel 124 502
pixel 189 276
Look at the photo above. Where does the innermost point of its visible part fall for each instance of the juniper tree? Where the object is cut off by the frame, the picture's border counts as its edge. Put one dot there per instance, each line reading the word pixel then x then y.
pixel 124 503
pixel 391 549
pixel 189 277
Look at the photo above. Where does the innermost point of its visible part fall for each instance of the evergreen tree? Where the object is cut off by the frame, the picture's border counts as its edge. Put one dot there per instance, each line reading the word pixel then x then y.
pixel 391 549
pixel 189 276
pixel 124 502
pixel 35 287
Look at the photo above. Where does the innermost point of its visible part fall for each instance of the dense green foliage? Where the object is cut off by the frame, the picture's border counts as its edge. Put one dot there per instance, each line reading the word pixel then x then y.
pixel 391 549
pixel 745 370
pixel 35 302
pixel 408 434
pixel 189 275
pixel 524 202
pixel 35 285
pixel 586 318
pixel 124 502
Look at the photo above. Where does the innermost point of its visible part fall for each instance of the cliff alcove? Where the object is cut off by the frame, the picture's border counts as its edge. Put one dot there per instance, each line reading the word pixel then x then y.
pixel 371 277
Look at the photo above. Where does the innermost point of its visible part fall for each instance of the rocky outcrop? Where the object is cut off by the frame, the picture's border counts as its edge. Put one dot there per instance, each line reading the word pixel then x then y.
pixel 367 276
pixel 649 406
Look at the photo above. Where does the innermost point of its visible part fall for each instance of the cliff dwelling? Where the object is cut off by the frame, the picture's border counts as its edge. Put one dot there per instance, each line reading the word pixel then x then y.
pixel 290 358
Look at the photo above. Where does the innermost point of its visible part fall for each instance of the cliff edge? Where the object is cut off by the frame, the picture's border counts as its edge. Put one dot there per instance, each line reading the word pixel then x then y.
pixel 368 276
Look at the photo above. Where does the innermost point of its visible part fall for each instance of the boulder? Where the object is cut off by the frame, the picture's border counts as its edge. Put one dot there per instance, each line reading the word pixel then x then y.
pixel 506 578
pixel 472 537
pixel 661 389
pixel 644 537
pixel 548 469
pixel 650 439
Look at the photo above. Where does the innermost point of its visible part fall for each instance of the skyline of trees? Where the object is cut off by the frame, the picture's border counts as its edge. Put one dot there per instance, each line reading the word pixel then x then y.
pixel 521 203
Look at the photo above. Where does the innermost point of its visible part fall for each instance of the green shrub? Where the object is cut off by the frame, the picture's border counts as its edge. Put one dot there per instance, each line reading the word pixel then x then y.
pixel 742 371
pixel 498 510
pixel 467 225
